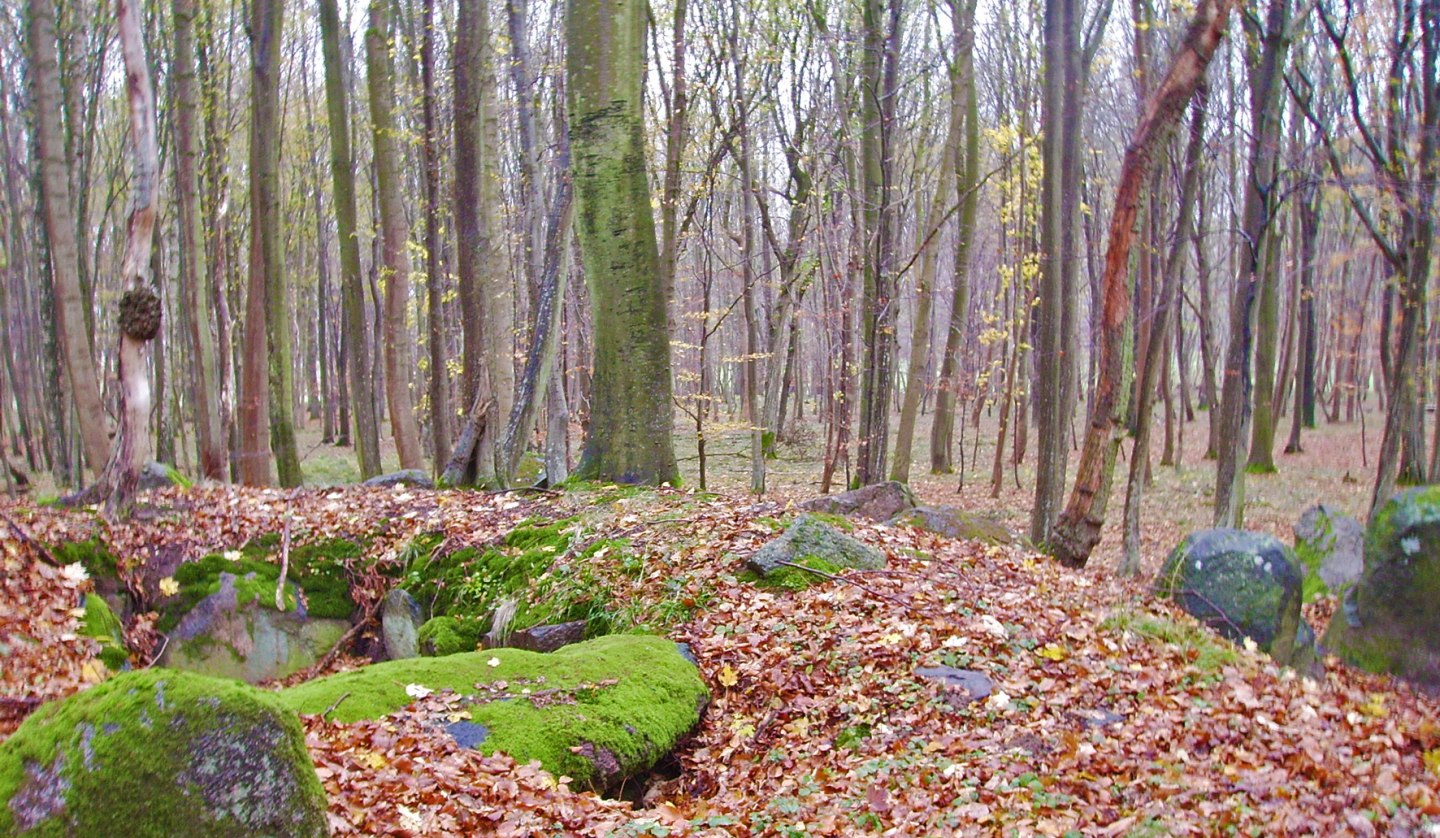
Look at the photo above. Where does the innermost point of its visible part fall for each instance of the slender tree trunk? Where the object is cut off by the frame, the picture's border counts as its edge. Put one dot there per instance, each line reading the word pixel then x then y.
pixel 395 236
pixel 1078 529
pixel 60 223
pixel 440 412
pixel 352 290
pixel 208 432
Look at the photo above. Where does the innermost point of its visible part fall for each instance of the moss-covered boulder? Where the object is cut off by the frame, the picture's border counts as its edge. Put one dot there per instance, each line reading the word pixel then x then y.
pixel 810 542
pixel 1241 584
pixel 876 502
pixel 412 477
pixel 952 522
pixel 237 632
pixel 101 623
pixel 597 711
pixel 1331 548
pixel 1390 620
pixel 160 752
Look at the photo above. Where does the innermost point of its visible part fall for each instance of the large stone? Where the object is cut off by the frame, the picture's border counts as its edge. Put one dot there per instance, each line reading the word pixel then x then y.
pixel 400 622
pixel 237 633
pixel 412 477
pixel 598 711
pixel 547 638
pixel 1331 548
pixel 952 522
pixel 1390 621
pixel 876 502
pixel 811 542
pixel 156 475
pixel 161 752
pixel 1241 584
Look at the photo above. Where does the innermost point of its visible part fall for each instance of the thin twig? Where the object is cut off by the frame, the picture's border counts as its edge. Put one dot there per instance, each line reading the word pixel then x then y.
pixel 284 559
pixel 333 705
pixel 30 540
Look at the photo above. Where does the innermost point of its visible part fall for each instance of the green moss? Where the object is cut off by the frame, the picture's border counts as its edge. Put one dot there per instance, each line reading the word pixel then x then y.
pixel 1204 650
pixel 92 554
pixel 322 571
pixel 101 623
pixel 448 635
pixel 839 522
pixel 632 695
pixel 793 578
pixel 160 752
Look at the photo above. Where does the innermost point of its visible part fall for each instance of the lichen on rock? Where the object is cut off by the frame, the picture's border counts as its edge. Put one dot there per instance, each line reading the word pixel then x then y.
pixel 161 752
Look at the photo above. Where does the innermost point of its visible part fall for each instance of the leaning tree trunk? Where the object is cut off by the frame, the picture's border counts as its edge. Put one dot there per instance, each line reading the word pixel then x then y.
pixel 140 306
pixel 629 435
pixel 70 305
pixel 395 235
pixel 1076 533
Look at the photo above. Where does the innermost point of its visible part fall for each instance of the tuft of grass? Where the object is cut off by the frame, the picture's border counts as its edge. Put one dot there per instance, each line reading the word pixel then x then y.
pixel 1205 650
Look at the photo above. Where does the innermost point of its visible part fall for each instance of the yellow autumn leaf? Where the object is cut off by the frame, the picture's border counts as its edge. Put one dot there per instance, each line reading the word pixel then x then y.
pixel 1432 761
pixel 94 671
pixel 728 676
pixel 1052 651
pixel 373 760
pixel 169 587
pixel 1375 707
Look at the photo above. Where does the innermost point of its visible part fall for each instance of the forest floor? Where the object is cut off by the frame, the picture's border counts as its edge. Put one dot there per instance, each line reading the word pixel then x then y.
pixel 817 724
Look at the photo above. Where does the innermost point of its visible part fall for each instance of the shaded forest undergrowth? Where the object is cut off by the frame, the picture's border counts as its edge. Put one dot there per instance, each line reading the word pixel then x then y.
pixel 1111 713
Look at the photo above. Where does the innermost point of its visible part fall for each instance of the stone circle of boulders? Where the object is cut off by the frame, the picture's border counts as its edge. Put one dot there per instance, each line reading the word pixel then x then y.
pixel 811 542
pixel 599 711
pixel 161 752
pixel 1240 584
pixel 876 502
pixel 1330 546
pixel 412 477
pixel 1390 619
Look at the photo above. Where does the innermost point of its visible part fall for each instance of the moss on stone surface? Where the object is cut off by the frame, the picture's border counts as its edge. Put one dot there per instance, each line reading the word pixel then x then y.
pixel 1390 622
pixel 101 623
pixel 448 635
pixel 255 581
pixel 160 752
pixel 632 696
pixel 92 554
pixel 810 537
pixel 793 578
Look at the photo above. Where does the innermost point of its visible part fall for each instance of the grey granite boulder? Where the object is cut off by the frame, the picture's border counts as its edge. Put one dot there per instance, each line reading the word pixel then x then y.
pixel 1241 584
pixel 400 622
pixel 876 502
pixel 412 477
pixel 953 522
pixel 812 542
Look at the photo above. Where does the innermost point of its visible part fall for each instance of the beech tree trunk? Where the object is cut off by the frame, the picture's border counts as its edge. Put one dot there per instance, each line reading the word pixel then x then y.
pixel 60 222
pixel 629 432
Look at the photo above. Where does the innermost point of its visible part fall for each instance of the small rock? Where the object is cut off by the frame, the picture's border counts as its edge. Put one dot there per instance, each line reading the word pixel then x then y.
pixel 400 625
pixel 876 502
pixel 412 477
pixel 468 734
pixel 547 638
pixel 1096 717
pixel 155 475
pixel 975 686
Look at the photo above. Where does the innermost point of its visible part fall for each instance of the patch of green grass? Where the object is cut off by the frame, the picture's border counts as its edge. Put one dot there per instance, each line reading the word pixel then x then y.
pixel 1206 651
pixel 92 554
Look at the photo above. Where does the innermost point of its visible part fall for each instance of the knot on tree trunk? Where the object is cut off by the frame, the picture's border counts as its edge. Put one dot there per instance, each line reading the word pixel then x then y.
pixel 140 314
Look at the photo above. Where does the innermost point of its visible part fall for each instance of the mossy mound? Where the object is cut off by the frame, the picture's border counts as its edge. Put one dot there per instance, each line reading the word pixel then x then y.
pixel 101 623
pixel 1240 584
pixel 1390 620
pixel 810 542
pixel 597 711
pixel 461 590
pixel 92 554
pixel 160 752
